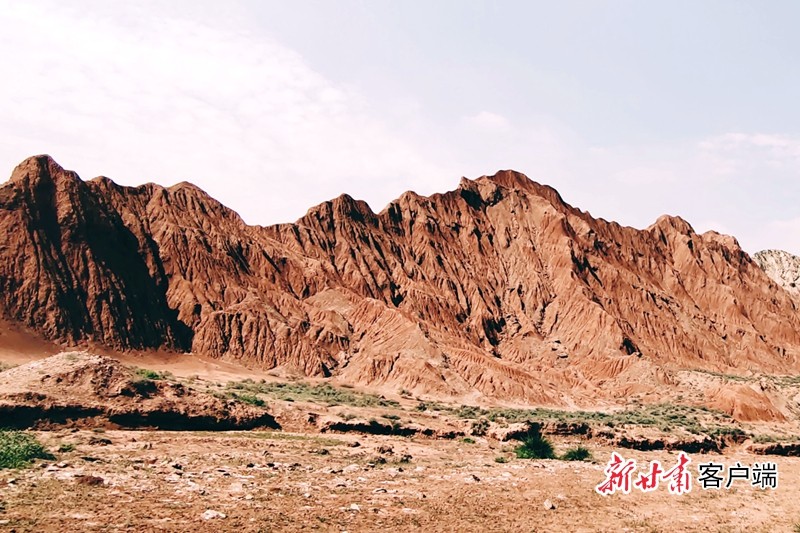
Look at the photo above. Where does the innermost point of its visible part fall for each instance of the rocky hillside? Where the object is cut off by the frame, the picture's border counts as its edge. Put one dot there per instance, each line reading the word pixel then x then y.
pixel 496 289
pixel 77 388
pixel 782 267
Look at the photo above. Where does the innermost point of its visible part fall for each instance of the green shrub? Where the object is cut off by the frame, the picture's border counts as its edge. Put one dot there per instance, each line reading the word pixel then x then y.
pixel 18 449
pixel 534 446
pixel 152 375
pixel 468 440
pixel 578 453
pixel 251 399
pixel 66 448
pixel 480 427
pixel 469 411
pixel 727 431
pixel 500 459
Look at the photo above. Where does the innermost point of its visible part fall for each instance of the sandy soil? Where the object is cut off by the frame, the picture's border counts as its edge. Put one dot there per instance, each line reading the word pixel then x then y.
pixel 18 346
pixel 276 481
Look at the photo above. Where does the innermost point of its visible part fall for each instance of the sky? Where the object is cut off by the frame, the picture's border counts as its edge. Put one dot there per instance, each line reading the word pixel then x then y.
pixel 629 109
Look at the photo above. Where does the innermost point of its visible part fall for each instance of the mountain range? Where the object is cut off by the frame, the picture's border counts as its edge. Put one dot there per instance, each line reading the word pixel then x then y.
pixel 498 290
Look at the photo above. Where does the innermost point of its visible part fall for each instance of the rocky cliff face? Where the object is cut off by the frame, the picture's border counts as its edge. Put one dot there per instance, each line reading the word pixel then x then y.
pixel 72 269
pixel 498 288
pixel 782 267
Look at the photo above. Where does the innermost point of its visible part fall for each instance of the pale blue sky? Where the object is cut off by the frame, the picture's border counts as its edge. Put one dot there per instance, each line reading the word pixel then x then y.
pixel 630 109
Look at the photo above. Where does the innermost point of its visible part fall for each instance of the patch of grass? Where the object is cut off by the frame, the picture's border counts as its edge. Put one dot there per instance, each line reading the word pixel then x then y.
pixel 18 449
pixel 251 399
pixel 279 435
pixel 764 438
pixel 66 448
pixel 787 380
pixel 578 453
pixel 727 377
pixel 152 375
pixel 500 459
pixel 535 446
pixel 324 393
pixel 469 411
pixel 727 431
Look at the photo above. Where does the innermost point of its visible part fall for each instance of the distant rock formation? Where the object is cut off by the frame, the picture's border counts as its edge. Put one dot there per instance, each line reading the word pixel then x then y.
pixel 496 289
pixel 782 267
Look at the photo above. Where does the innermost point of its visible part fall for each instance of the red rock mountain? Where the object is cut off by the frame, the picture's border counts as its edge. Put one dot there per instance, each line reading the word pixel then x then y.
pixel 498 289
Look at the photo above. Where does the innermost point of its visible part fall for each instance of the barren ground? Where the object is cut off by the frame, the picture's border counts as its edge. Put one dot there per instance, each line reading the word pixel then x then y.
pixel 300 479
pixel 278 481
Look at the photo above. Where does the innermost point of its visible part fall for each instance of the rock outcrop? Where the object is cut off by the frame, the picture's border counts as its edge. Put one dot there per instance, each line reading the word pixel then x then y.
pixel 82 389
pixel 497 289
pixel 782 267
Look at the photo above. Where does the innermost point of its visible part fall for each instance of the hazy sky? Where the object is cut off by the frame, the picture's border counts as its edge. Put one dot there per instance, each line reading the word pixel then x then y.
pixel 630 109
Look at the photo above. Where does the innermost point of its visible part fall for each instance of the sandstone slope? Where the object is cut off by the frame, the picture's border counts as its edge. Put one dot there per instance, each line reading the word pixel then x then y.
pixel 497 289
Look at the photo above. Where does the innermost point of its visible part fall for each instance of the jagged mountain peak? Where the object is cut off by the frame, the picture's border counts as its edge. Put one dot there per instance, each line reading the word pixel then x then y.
pixel 496 288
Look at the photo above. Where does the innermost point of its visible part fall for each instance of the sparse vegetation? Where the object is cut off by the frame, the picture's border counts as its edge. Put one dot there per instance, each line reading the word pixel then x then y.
pixel 765 439
pixel 696 420
pixel 468 440
pixel 251 399
pixel 18 449
pixel 5 366
pixel 283 436
pixel 578 453
pixel 534 446
pixel 325 393
pixel 480 427
pixel 66 448
pixel 500 459
pixel 152 375
pixel 727 431
pixel 726 377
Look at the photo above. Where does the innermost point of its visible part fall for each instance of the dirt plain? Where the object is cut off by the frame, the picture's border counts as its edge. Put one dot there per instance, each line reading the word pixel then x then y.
pixel 281 481
pixel 443 475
